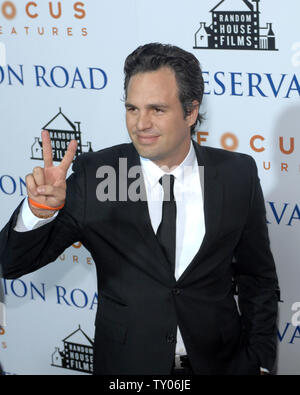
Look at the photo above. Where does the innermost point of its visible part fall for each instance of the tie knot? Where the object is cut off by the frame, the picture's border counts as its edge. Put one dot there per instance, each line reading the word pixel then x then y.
pixel 167 182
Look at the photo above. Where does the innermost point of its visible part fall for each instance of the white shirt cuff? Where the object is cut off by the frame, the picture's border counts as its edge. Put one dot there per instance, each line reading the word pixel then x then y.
pixel 264 370
pixel 27 221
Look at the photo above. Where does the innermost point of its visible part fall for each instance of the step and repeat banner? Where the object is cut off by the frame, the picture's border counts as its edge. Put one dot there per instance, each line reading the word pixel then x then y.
pixel 62 70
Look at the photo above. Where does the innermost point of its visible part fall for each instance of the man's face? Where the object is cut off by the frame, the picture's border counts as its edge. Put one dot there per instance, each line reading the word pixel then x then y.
pixel 155 119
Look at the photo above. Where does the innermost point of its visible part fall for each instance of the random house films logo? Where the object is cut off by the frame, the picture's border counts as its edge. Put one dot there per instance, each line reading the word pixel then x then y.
pixel 236 24
pixel 77 353
pixel 61 131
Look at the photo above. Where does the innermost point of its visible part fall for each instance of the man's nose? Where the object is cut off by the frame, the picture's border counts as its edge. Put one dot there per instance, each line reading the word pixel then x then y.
pixel 144 121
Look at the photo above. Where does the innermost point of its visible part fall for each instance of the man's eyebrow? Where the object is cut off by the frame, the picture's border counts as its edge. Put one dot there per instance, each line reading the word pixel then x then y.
pixel 157 105
pixel 127 104
pixel 150 105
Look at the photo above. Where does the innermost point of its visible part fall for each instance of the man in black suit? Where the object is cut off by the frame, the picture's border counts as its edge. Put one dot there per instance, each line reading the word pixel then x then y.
pixel 171 225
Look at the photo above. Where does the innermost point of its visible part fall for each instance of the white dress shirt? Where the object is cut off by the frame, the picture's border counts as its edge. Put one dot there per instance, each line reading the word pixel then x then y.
pixel 190 224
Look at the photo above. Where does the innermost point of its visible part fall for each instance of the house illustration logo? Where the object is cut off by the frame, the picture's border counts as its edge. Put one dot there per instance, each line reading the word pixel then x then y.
pixel 236 24
pixel 61 131
pixel 77 353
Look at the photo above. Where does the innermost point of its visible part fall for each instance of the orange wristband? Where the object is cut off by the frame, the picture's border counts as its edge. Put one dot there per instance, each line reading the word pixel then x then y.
pixel 43 206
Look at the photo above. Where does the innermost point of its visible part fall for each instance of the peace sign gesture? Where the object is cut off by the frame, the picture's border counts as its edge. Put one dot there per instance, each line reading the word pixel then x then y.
pixel 47 186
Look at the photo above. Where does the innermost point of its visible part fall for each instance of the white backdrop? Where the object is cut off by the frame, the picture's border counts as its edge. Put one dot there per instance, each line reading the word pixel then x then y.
pixel 68 56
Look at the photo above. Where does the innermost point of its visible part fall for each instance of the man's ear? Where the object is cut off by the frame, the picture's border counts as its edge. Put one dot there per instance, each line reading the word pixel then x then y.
pixel 192 115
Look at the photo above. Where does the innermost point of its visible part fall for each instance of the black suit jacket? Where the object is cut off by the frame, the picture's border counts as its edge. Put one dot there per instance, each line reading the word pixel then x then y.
pixel 141 303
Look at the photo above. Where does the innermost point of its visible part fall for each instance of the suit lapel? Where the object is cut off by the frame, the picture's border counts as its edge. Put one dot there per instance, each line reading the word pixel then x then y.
pixel 212 187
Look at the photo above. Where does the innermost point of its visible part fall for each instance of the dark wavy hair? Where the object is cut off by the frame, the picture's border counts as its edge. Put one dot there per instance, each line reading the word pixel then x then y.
pixel 151 57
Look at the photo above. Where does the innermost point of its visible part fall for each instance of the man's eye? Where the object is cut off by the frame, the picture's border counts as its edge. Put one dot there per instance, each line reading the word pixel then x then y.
pixel 158 110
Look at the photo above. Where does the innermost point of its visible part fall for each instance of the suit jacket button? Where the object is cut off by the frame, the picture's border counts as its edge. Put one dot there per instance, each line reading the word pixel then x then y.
pixel 176 291
pixel 171 339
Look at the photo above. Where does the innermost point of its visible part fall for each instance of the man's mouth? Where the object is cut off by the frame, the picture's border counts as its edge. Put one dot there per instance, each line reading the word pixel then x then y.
pixel 145 139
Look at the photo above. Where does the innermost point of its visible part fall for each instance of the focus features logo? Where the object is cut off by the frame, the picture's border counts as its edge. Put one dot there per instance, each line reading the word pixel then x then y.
pixel 32 9
pixel 236 25
pixel 259 144
pixel 48 11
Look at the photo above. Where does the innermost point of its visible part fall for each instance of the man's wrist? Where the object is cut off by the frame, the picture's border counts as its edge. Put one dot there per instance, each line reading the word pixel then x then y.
pixel 41 213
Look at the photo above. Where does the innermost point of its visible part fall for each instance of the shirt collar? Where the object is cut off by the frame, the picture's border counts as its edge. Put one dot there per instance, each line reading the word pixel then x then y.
pixel 153 173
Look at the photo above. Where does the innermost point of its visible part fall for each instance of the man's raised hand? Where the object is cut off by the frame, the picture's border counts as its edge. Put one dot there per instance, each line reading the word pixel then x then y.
pixel 47 186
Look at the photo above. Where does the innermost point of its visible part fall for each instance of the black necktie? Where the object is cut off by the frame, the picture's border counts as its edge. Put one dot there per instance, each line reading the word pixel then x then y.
pixel 166 232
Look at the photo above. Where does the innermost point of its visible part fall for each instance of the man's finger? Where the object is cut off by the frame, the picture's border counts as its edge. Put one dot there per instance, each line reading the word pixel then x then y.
pixel 69 155
pixel 47 149
pixel 50 190
pixel 31 185
pixel 39 177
